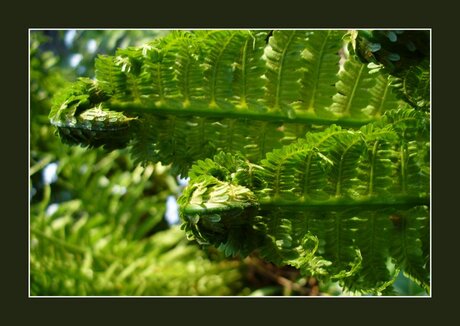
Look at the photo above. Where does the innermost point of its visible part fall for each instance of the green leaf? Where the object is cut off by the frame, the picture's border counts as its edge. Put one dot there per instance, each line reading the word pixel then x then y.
pixel 348 198
pixel 283 57
pixel 320 70
pixel 353 88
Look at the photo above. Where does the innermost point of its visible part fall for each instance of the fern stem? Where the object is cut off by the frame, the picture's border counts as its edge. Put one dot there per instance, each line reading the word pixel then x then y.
pixel 286 283
pixel 338 204
pixel 255 115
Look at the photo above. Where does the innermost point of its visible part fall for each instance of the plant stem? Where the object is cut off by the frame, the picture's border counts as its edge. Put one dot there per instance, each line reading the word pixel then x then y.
pixel 247 114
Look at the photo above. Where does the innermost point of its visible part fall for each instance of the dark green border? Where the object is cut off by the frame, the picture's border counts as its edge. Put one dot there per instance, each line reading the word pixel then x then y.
pixel 289 14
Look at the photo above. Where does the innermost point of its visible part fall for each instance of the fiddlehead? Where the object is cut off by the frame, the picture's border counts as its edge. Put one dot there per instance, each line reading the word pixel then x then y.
pixel 83 119
pixel 219 205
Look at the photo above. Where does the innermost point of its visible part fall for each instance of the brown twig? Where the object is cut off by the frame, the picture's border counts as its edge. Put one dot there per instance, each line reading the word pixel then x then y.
pixel 287 284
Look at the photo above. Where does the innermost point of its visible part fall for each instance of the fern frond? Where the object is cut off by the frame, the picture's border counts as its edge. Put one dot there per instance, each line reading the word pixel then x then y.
pixel 111 244
pixel 337 234
pixel 277 242
pixel 408 238
pixel 183 140
pixel 105 265
pixel 351 218
pixel 315 168
pixel 414 85
pixel 376 170
pixel 230 87
pixel 372 239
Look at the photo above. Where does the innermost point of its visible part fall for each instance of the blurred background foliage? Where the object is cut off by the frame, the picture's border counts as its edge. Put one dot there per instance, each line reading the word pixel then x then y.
pixel 102 226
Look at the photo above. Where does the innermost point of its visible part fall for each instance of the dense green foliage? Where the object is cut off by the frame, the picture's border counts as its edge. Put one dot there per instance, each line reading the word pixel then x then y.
pixel 303 154
pixel 97 223
pixel 336 203
pixel 190 95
